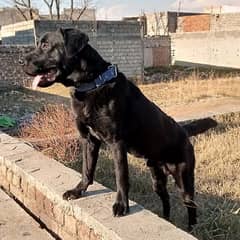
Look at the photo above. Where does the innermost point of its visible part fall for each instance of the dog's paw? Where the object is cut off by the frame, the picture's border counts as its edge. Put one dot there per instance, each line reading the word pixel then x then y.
pixel 72 194
pixel 120 209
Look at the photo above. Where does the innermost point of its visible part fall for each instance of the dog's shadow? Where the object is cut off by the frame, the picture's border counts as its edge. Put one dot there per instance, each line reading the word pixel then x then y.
pixel 90 193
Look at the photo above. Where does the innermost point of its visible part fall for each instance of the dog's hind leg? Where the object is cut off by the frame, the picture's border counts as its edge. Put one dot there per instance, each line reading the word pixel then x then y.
pixel 91 147
pixel 184 177
pixel 159 184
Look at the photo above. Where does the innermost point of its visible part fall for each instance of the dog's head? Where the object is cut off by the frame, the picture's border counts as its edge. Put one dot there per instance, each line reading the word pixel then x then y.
pixel 48 63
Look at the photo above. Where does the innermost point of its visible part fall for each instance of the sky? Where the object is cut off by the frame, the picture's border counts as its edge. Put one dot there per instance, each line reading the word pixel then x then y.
pixel 116 9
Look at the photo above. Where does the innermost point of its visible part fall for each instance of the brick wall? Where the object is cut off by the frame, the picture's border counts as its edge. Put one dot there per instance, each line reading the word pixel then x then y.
pixel 10 71
pixel 164 23
pixel 21 33
pixel 118 42
pixel 38 182
pixel 207 22
pixel 38 199
pixel 196 23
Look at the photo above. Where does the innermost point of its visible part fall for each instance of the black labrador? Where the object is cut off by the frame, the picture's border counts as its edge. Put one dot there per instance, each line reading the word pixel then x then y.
pixel 111 109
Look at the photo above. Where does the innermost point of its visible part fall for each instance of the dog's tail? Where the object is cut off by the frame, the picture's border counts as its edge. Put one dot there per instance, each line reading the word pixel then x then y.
pixel 199 126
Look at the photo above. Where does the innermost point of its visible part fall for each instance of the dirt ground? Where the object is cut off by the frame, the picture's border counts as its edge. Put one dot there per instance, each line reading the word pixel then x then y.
pixel 21 103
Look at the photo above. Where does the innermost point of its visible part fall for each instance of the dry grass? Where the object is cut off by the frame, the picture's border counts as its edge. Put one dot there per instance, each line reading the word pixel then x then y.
pixel 217 155
pixel 184 91
pixel 51 131
pixel 217 180
pixel 190 90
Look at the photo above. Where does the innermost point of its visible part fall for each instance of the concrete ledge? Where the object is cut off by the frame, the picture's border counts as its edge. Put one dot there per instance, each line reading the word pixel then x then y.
pixel 15 223
pixel 39 182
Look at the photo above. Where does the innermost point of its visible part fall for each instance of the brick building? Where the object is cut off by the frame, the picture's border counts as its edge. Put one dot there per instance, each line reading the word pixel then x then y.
pixel 164 23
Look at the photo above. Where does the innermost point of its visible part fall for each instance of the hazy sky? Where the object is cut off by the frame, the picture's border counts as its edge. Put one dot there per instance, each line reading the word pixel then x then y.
pixel 116 9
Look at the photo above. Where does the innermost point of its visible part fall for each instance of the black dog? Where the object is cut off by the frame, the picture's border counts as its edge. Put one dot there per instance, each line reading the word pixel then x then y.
pixel 111 109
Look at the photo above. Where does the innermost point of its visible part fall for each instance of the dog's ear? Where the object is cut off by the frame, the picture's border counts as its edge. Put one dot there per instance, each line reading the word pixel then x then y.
pixel 74 40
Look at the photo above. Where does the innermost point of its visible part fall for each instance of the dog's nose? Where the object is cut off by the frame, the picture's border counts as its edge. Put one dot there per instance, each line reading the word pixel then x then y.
pixel 21 61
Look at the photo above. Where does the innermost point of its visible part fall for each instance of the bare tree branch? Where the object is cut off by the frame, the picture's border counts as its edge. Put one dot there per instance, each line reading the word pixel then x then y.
pixel 85 6
pixel 50 7
pixel 21 12
pixel 30 9
pixel 81 12
pixel 71 13
pixel 26 10
pixel 24 4
pixel 57 5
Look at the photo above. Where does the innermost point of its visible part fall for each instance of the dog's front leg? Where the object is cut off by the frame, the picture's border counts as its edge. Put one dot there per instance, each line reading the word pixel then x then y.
pixel 121 205
pixel 90 155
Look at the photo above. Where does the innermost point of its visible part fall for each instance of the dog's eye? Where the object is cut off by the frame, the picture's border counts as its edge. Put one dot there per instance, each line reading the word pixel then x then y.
pixel 44 45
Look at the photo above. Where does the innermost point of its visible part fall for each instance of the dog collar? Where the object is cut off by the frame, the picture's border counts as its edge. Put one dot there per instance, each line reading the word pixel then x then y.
pixel 102 79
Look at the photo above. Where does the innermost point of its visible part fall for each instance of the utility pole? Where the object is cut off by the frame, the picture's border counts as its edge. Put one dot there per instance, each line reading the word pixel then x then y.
pixel 179 7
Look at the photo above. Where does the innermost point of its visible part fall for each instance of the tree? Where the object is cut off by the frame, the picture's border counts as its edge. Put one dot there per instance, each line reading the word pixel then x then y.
pixel 57 5
pixel 85 4
pixel 71 13
pixel 53 3
pixel 25 9
pixel 54 7
pixel 49 3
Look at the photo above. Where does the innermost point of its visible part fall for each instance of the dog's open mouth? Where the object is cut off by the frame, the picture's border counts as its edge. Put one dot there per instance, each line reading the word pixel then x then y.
pixel 44 80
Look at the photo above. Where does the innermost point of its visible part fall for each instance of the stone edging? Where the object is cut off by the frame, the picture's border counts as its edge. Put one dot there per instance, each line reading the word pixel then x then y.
pixel 38 183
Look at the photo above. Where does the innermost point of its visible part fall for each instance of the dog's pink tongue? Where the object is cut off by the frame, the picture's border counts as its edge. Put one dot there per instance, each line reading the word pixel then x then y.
pixel 36 81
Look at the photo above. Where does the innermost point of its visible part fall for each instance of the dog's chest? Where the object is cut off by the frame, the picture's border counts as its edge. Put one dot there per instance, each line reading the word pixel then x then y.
pixel 98 120
pixel 94 133
pixel 91 122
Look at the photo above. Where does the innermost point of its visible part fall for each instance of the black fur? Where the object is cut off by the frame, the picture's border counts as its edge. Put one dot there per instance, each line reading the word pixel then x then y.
pixel 119 115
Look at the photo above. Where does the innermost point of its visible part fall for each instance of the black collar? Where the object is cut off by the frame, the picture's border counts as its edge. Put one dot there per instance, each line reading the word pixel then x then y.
pixel 101 80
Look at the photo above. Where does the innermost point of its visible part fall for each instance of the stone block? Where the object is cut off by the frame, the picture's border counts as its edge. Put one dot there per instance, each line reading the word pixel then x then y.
pixel 16 180
pixel 48 207
pixel 9 175
pixel 58 214
pixel 40 197
pixel 70 224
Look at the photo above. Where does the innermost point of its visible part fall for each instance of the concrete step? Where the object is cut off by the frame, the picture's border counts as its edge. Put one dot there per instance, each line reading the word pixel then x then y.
pixel 16 224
